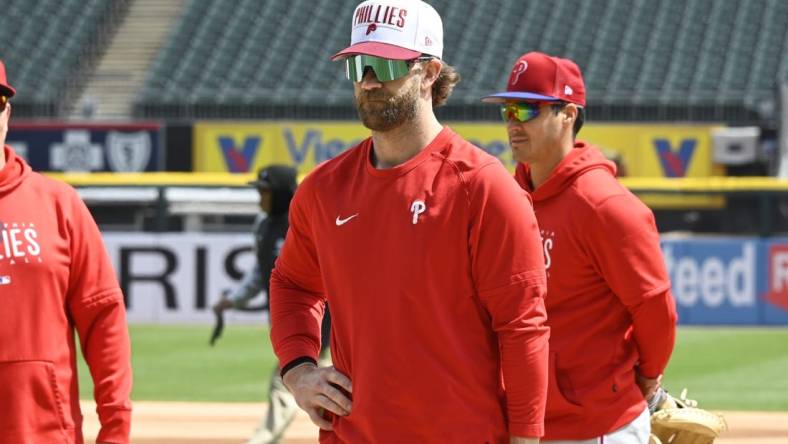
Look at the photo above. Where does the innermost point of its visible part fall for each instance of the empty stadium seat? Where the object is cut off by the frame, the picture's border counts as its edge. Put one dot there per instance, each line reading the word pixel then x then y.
pixel 48 46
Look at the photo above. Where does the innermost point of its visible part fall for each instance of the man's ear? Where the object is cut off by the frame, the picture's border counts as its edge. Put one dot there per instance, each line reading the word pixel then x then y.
pixel 570 113
pixel 432 70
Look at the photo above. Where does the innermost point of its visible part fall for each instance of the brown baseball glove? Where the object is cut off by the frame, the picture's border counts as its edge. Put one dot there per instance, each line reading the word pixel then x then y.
pixel 680 421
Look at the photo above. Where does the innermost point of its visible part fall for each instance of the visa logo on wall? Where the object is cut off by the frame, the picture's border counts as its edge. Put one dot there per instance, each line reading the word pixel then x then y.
pixel 675 161
pixel 239 157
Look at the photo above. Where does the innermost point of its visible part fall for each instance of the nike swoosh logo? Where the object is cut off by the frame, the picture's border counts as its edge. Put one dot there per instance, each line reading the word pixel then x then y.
pixel 341 222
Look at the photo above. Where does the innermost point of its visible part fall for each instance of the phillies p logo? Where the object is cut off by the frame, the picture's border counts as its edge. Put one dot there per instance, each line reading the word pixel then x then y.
pixel 417 207
pixel 518 70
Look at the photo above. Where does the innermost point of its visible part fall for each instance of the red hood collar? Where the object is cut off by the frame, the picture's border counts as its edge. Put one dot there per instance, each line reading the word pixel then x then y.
pixel 14 171
pixel 582 158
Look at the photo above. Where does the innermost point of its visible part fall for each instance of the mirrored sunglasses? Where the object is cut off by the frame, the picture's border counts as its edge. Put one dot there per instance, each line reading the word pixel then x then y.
pixel 520 111
pixel 385 70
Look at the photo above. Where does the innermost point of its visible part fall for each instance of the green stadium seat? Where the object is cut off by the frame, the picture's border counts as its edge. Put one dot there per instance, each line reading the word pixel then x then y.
pixel 48 44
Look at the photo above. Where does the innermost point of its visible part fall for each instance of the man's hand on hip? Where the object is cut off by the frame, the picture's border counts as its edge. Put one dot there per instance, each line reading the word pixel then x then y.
pixel 522 440
pixel 648 386
pixel 314 389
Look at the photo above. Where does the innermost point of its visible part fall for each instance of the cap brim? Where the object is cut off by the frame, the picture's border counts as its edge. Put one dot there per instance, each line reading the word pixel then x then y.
pixel 7 90
pixel 259 184
pixel 516 95
pixel 377 49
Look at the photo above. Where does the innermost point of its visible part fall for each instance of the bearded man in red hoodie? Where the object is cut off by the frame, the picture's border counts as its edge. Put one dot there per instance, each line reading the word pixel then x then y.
pixel 611 314
pixel 55 277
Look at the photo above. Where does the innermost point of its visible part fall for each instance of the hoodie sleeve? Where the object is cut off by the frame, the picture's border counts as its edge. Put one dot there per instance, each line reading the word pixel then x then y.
pixel 627 253
pixel 297 300
pixel 95 303
pixel 508 271
pixel 251 285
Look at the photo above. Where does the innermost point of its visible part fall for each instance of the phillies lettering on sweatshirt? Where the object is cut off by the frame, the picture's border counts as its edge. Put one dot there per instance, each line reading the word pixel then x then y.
pixel 608 301
pixel 434 274
pixel 55 278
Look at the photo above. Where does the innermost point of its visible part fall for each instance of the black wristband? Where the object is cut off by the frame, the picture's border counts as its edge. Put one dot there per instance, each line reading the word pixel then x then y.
pixel 296 362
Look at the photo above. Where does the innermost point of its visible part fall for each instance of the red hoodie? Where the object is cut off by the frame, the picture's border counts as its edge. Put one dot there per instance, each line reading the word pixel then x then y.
pixel 608 301
pixel 434 274
pixel 55 276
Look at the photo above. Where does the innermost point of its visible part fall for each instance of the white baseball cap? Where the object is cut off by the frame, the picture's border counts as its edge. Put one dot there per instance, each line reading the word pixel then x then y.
pixel 395 29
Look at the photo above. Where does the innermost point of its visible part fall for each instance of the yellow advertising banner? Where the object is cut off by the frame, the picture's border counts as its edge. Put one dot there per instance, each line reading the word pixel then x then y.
pixel 642 150
pixel 245 147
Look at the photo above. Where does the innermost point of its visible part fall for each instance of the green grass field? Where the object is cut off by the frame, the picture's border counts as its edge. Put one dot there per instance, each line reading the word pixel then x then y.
pixel 175 363
pixel 731 368
pixel 725 368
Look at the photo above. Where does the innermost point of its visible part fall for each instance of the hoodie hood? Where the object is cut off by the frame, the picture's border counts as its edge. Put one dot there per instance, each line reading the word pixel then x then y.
pixel 581 159
pixel 14 171
pixel 281 180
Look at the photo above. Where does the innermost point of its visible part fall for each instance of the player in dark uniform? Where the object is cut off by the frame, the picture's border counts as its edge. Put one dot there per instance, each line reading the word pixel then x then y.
pixel 276 185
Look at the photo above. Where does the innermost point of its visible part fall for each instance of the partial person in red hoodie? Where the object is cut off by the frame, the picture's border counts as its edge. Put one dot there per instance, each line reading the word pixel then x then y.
pixel 611 314
pixel 428 254
pixel 55 278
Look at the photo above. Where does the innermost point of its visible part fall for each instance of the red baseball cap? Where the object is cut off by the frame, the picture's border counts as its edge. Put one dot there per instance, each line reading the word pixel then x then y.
pixel 5 88
pixel 538 76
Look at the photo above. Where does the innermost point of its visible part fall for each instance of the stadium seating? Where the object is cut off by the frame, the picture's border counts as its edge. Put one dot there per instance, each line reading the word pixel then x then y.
pixel 270 58
pixel 642 59
pixel 48 45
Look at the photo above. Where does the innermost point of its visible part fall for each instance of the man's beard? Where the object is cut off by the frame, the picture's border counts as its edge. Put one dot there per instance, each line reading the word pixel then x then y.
pixel 380 111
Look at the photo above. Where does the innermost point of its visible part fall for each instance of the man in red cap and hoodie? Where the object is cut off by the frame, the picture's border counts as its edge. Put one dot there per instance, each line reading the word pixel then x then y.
pixel 428 254
pixel 611 314
pixel 55 277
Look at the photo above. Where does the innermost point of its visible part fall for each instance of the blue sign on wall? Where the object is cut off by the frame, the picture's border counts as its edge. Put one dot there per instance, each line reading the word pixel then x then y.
pixel 774 274
pixel 728 280
pixel 75 147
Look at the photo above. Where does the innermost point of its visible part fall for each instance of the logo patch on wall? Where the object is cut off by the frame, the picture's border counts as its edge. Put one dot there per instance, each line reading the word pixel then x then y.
pixel 76 153
pixel 128 152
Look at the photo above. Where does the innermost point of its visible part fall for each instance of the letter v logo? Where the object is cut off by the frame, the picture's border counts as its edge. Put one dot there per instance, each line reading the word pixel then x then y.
pixel 239 161
pixel 675 163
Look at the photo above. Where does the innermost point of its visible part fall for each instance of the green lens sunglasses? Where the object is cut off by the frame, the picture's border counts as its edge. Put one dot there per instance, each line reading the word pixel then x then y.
pixel 386 70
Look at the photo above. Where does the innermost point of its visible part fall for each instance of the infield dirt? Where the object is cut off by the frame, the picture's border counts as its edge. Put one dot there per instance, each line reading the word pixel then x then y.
pixel 233 423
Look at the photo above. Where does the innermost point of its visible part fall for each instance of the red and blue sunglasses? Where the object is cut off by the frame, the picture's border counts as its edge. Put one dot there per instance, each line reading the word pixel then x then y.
pixel 521 111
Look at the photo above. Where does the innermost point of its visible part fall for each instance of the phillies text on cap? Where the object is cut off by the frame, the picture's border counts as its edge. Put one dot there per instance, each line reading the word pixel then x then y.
pixel 395 29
